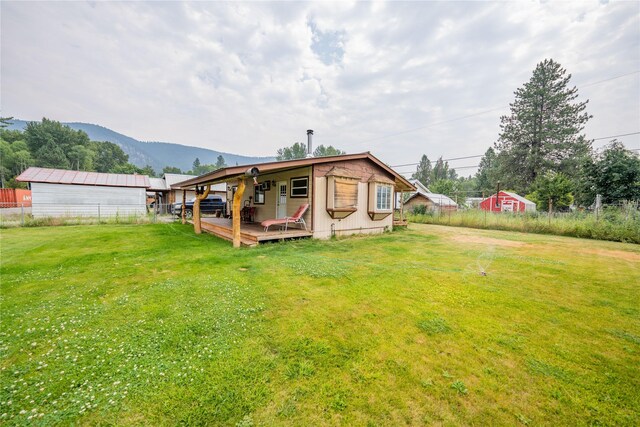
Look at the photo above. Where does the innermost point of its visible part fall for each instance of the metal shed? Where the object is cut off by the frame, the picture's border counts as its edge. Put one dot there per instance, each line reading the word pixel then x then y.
pixel 58 192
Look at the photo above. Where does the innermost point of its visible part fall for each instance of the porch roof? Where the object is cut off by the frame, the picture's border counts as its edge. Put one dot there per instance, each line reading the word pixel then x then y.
pixel 228 173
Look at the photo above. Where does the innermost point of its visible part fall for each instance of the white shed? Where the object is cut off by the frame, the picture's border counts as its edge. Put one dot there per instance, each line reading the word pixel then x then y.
pixel 58 192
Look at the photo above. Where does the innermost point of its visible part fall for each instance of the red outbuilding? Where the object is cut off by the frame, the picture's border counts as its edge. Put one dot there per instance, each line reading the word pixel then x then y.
pixel 505 201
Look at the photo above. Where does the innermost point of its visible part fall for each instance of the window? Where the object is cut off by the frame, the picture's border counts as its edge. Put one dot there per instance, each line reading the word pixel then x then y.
pixel 345 194
pixel 300 187
pixel 383 197
pixel 380 197
pixel 342 196
pixel 258 195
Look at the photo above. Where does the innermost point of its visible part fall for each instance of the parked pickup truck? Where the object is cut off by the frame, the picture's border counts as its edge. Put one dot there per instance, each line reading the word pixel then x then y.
pixel 213 204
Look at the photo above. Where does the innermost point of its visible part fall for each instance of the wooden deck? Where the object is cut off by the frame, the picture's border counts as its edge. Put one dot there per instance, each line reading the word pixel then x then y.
pixel 251 234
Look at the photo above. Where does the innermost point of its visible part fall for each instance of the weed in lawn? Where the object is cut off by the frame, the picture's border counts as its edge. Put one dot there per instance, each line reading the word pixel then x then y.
pixel 523 419
pixel 459 386
pixel 434 325
pixel 543 368
pixel 302 368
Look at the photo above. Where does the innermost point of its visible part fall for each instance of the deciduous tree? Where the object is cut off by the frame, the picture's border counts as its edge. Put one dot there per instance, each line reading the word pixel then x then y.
pixel 551 188
pixel 296 151
pixel 614 173
pixel 322 151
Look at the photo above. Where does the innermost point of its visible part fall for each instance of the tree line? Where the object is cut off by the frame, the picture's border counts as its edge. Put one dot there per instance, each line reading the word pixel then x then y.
pixel 50 144
pixel 542 152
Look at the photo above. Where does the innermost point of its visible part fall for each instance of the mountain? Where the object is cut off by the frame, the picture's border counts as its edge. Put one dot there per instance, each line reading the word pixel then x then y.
pixel 156 154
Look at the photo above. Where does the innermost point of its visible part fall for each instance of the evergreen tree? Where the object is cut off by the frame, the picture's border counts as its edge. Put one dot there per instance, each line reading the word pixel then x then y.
pixel 488 173
pixel 543 131
pixel 5 121
pixel 220 163
pixel 441 171
pixel 423 171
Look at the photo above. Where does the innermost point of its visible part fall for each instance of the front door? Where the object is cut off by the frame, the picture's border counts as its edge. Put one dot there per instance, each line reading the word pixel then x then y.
pixel 281 202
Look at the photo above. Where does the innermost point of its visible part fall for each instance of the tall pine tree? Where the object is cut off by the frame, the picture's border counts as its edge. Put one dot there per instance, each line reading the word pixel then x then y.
pixel 423 172
pixel 543 131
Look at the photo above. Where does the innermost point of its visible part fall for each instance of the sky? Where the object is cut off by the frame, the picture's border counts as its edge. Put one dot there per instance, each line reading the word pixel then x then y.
pixel 398 79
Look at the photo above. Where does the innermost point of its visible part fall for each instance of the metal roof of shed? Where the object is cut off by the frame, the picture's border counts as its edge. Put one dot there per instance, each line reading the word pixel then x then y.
pixel 438 199
pixel 61 176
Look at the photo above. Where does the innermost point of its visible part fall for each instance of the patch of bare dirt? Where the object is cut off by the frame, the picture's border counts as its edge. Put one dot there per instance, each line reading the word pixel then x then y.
pixel 627 256
pixel 465 238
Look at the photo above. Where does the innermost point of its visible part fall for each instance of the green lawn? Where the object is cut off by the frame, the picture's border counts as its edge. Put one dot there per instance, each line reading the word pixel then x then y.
pixel 152 325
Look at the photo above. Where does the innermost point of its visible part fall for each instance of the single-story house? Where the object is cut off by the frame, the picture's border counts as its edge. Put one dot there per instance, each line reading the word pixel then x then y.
pixel 345 194
pixel 505 201
pixel 433 201
pixel 59 192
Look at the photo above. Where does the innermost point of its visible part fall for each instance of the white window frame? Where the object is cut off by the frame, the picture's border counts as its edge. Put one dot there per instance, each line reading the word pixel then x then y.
pixel 384 194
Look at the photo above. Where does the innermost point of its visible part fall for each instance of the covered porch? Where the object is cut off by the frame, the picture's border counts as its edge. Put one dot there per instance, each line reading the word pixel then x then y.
pixel 252 233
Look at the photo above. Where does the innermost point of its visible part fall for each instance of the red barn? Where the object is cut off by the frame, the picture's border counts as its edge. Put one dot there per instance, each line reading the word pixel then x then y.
pixel 507 202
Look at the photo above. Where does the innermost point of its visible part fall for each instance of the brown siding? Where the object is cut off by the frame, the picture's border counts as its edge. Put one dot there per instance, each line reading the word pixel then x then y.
pixel 361 168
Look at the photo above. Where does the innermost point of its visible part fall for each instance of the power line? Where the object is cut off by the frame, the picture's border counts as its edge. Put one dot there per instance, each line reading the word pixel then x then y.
pixel 612 78
pixel 482 155
pixel 616 136
pixel 482 112
pixel 431 124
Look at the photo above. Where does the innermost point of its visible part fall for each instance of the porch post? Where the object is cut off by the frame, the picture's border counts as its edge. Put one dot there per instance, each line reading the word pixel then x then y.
pixel 183 213
pixel 197 225
pixel 237 201
pixel 402 207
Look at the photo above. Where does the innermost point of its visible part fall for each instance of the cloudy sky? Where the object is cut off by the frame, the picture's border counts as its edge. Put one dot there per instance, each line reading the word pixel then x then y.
pixel 397 79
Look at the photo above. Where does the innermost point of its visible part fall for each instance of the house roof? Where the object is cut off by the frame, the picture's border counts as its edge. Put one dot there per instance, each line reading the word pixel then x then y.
pixel 238 171
pixel 61 176
pixel 421 188
pixel 515 196
pixel 157 184
pixel 519 198
pixel 174 178
pixel 438 199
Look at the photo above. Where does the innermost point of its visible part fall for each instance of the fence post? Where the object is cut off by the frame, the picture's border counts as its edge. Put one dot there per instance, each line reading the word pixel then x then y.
pixel 22 214
pixel 99 213
pixel 155 213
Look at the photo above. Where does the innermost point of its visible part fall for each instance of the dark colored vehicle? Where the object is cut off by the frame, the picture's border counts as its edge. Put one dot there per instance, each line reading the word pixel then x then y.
pixel 213 204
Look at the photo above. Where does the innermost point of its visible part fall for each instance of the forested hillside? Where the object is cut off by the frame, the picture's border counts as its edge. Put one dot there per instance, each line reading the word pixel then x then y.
pixel 155 154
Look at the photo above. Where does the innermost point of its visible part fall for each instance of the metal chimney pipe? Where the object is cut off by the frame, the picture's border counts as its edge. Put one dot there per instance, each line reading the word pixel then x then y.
pixel 309 142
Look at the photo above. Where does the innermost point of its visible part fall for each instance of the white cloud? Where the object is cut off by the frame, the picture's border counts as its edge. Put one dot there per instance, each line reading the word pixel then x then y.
pixel 252 77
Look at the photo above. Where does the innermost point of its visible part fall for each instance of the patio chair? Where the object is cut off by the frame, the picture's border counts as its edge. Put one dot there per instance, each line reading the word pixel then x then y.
pixel 295 219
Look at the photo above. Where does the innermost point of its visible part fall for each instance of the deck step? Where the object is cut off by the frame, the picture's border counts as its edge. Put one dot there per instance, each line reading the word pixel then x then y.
pixel 226 234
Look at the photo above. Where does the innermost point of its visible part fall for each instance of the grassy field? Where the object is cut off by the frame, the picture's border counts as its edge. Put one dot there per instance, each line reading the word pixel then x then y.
pixel 152 325
pixel 615 224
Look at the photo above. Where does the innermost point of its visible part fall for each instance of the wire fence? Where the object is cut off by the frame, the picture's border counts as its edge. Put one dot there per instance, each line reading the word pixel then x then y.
pixel 618 222
pixel 31 214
